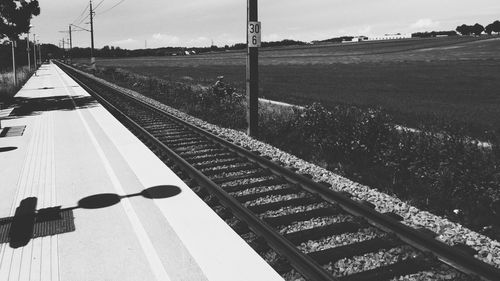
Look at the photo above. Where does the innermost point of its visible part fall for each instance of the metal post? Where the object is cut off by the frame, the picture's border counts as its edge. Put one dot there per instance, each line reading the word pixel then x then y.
pixel 40 53
pixel 28 50
pixel 92 59
pixel 70 44
pixel 34 50
pixel 252 75
pixel 14 72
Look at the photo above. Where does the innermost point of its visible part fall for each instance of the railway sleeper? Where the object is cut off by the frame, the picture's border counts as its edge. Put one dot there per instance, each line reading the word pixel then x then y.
pixel 388 272
pixel 355 249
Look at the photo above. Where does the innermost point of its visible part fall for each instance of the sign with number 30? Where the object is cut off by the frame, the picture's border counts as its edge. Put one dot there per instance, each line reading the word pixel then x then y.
pixel 254 34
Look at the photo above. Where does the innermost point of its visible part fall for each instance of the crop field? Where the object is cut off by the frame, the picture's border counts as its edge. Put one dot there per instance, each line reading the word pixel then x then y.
pixel 419 81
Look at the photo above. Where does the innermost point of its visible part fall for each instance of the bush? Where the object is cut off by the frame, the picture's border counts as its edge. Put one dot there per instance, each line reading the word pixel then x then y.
pixel 444 173
pixel 7 87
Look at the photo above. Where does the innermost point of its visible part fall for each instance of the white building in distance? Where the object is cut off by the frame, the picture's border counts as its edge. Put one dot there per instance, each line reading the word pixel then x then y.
pixel 395 36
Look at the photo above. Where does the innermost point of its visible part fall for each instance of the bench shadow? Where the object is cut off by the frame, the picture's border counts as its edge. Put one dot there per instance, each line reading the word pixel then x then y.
pixel 26 223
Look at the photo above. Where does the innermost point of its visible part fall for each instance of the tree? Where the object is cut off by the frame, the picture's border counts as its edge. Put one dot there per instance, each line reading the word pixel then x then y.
pixel 464 29
pixel 495 27
pixel 477 29
pixel 489 29
pixel 15 17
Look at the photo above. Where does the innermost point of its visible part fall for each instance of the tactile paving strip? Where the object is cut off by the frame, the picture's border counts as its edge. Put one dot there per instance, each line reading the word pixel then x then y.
pixel 48 222
pixel 15 131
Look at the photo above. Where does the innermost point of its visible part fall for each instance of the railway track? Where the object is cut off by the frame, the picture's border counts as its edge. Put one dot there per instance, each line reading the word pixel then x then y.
pixel 302 227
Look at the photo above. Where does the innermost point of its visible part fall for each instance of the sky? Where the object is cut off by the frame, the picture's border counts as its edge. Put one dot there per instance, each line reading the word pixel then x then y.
pixel 134 24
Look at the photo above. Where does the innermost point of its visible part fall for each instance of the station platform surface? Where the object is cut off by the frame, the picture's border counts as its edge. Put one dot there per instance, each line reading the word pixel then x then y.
pixel 83 199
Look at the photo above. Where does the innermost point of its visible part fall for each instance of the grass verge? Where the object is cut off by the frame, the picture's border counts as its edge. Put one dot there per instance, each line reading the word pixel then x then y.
pixel 8 87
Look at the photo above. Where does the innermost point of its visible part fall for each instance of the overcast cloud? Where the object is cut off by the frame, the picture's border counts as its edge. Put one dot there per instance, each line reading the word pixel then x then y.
pixel 199 22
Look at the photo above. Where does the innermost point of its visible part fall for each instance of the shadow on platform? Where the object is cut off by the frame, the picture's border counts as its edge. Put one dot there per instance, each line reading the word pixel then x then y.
pixel 28 223
pixel 34 106
pixel 7 148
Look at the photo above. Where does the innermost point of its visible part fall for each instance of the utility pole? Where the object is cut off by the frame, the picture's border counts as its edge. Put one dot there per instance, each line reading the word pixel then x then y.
pixel 70 44
pixel 252 73
pixel 34 50
pixel 40 53
pixel 92 59
pixel 28 49
pixel 14 62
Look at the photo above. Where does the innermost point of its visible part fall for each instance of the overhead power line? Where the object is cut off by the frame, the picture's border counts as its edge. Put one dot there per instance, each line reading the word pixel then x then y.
pixel 109 9
pixel 98 5
pixel 86 17
pixel 83 12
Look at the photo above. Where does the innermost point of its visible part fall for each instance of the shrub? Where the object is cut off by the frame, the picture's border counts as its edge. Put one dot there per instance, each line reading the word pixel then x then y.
pixel 7 87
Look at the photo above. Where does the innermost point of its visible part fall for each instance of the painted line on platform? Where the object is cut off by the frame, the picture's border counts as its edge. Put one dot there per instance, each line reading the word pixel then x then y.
pixel 146 244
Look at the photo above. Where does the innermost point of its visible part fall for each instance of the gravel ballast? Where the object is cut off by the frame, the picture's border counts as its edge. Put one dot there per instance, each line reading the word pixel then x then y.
pixel 447 231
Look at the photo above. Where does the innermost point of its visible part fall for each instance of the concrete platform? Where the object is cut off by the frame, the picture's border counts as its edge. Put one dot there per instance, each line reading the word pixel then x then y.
pixel 75 155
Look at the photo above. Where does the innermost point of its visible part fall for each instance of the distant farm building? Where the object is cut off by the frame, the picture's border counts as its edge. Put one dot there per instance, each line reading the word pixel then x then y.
pixel 390 37
pixel 355 39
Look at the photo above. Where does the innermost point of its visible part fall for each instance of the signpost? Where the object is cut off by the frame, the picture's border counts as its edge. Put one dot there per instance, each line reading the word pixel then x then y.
pixel 254 37
pixel 252 74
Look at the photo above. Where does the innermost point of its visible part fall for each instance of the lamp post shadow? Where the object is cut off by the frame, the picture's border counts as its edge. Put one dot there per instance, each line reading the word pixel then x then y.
pixel 28 223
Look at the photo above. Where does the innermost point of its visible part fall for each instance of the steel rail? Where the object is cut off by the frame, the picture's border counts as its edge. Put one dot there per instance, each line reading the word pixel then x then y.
pixel 454 257
pixel 303 263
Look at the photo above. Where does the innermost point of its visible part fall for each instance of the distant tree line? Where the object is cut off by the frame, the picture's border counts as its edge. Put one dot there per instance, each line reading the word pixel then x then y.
pixel 336 39
pixel 433 34
pixel 48 51
pixel 477 29
pixel 110 51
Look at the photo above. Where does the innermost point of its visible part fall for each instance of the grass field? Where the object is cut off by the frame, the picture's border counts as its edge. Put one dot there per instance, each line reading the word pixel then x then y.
pixel 420 81
pixel 7 86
